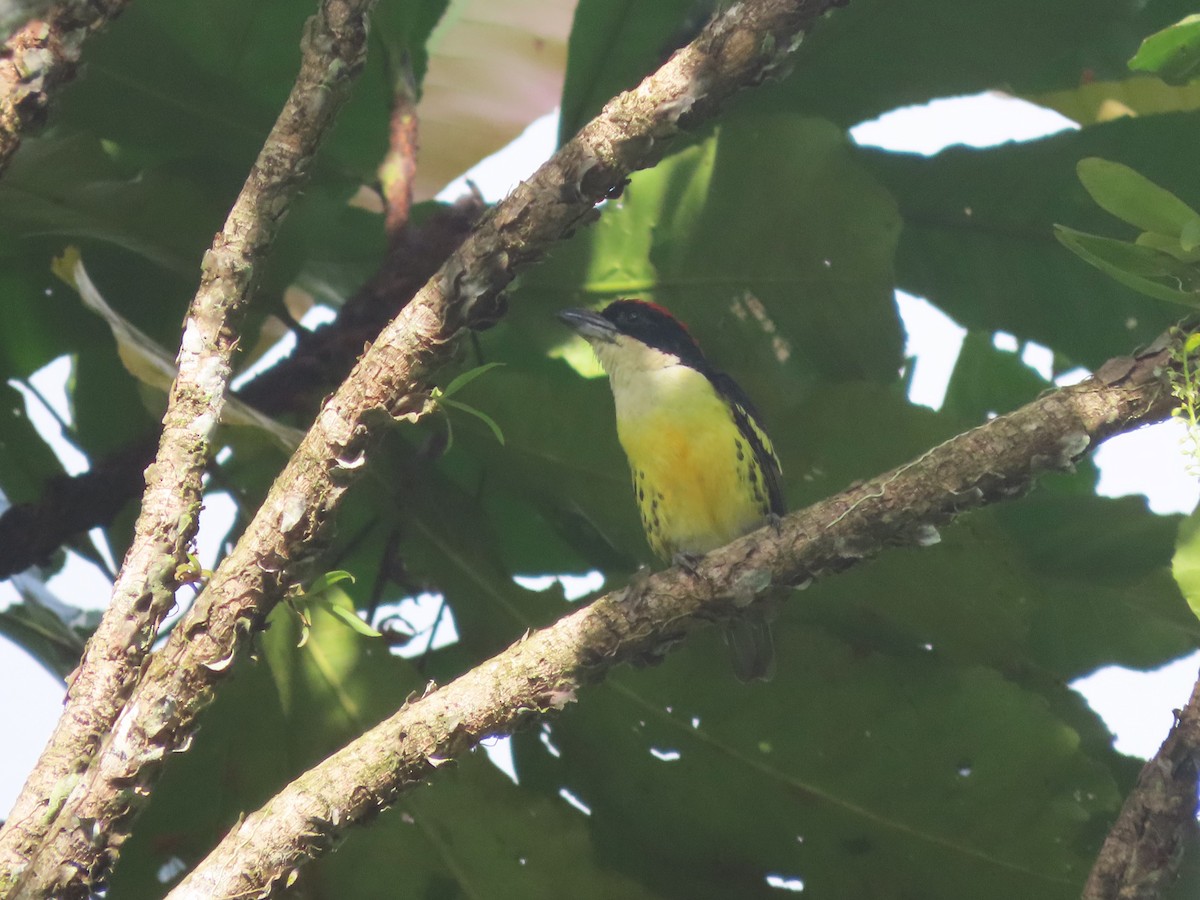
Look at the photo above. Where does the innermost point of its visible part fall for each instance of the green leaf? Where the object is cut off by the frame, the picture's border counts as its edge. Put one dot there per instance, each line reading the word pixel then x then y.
pixel 70 188
pixel 43 636
pixel 965 737
pixel 1189 237
pixel 322 593
pixel 1185 566
pixel 1172 54
pixel 1167 244
pixel 979 240
pixel 986 380
pixel 613 45
pixel 326 580
pixel 764 291
pixel 479 414
pixel 341 607
pixel 1132 265
pixel 1134 198
pixel 466 378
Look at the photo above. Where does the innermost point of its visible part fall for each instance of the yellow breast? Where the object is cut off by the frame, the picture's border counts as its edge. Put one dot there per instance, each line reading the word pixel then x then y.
pixel 697 481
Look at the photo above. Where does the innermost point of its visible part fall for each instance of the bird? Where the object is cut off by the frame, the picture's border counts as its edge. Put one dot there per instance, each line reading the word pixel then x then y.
pixel 704 470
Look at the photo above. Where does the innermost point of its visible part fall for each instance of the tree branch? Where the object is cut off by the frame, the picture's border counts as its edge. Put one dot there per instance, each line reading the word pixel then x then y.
pixel 334 48
pixel 543 671
pixel 70 505
pixel 39 57
pixel 399 166
pixel 739 48
pixel 1142 852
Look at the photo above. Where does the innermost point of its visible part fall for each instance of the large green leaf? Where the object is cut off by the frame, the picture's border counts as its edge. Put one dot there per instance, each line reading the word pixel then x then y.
pixel 849 70
pixel 1185 567
pixel 205 81
pixel 881 774
pixel 615 44
pixel 47 629
pixel 71 189
pixel 808 280
pixel 1131 196
pixel 978 238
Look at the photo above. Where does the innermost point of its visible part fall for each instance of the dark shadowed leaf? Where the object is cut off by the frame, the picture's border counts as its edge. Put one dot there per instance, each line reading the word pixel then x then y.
pixel 978 239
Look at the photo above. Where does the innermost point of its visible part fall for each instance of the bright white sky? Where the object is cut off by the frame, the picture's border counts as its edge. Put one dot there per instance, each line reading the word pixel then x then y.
pixel 1136 705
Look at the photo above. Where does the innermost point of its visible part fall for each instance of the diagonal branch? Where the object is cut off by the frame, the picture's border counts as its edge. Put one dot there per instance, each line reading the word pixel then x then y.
pixel 1142 852
pixel 333 52
pixel 543 671
pixel 738 48
pixel 39 57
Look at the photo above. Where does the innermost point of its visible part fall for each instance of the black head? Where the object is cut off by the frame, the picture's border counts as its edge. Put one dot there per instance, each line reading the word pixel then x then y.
pixel 653 325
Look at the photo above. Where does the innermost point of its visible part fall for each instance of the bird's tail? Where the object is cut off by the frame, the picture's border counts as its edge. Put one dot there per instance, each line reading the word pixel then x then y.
pixel 751 647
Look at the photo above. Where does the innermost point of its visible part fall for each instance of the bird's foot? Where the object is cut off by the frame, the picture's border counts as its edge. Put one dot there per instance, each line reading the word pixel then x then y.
pixel 689 562
pixel 636 586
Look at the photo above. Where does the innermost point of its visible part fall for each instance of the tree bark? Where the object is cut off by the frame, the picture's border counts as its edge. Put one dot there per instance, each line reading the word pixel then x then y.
pixel 1141 854
pixel 334 48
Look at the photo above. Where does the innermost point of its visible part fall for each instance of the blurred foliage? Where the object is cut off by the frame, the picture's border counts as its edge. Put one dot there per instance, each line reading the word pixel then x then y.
pixel 1172 54
pixel 920 738
pixel 1161 262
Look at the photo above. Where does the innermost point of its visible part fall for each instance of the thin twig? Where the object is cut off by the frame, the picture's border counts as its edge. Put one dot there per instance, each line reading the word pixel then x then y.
pixel 399 166
pixel 544 671
pixel 333 48
pixel 739 48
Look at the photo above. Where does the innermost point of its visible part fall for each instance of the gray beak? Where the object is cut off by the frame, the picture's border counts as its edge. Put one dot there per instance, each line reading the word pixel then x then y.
pixel 590 326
